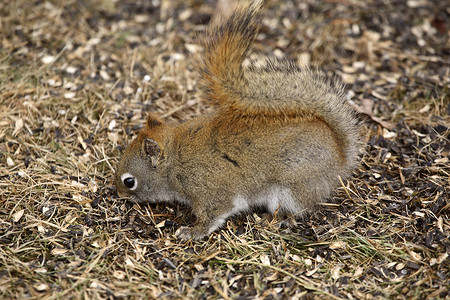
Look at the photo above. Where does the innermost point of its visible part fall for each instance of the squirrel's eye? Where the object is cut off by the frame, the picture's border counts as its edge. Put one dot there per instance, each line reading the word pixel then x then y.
pixel 129 181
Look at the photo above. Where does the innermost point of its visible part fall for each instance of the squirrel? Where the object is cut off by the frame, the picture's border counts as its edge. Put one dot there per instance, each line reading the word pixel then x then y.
pixel 280 136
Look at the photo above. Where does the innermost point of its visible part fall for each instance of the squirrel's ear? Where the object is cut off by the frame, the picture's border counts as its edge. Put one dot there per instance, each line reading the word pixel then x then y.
pixel 153 121
pixel 151 150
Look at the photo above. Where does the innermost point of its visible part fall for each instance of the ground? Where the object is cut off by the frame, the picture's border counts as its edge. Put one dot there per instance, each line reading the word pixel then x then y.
pixel 77 78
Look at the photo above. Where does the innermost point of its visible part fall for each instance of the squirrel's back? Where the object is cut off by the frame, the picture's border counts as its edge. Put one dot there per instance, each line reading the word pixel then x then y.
pixel 277 92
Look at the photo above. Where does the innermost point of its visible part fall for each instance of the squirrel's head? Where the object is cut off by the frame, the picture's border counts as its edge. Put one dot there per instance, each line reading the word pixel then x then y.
pixel 138 175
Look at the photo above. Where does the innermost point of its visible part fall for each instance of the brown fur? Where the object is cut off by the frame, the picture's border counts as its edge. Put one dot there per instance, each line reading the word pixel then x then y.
pixel 280 136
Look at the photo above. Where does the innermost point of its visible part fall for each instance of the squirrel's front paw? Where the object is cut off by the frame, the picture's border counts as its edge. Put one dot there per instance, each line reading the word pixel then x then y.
pixel 186 233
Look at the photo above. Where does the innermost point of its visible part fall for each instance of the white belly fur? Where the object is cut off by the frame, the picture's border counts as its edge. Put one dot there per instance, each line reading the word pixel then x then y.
pixel 276 197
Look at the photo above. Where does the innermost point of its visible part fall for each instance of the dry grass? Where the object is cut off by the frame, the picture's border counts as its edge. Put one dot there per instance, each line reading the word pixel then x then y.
pixel 76 81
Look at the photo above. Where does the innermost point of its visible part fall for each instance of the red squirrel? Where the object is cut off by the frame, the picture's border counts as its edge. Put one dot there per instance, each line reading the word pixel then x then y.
pixel 280 136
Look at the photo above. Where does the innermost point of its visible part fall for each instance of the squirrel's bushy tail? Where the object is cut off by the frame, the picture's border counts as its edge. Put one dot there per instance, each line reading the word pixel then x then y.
pixel 229 39
pixel 278 92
